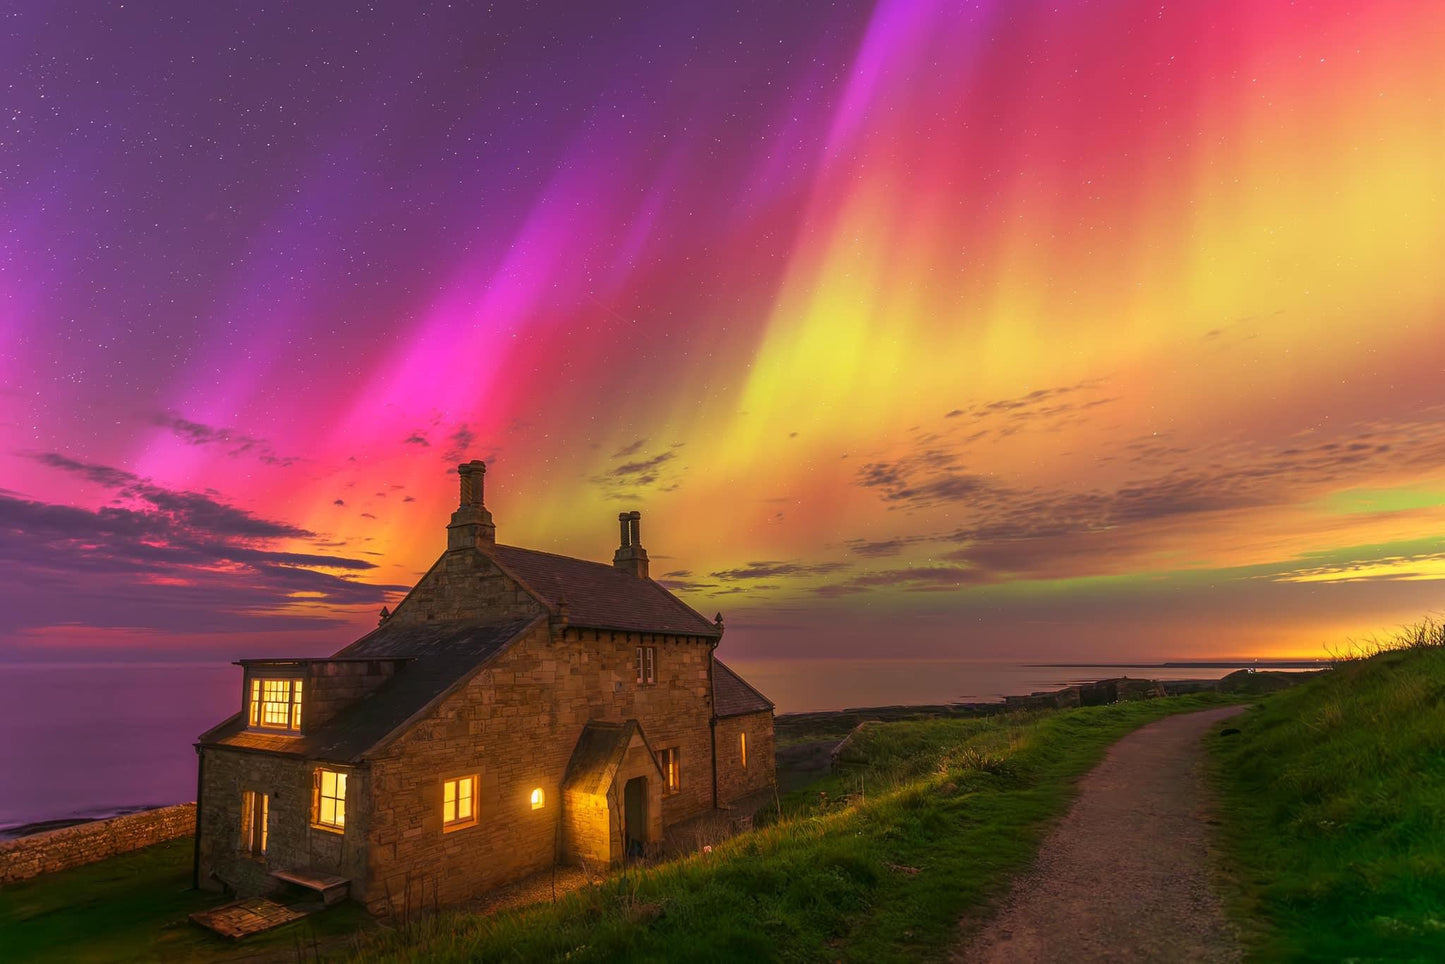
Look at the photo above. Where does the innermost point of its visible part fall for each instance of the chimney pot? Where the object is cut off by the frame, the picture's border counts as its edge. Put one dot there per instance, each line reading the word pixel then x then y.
pixel 471 524
pixel 630 557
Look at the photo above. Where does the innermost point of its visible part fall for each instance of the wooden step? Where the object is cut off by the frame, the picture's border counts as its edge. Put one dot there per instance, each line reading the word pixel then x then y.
pixel 330 887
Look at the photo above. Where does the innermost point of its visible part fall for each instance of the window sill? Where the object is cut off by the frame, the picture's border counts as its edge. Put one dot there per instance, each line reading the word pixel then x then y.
pixel 329 829
pixel 459 825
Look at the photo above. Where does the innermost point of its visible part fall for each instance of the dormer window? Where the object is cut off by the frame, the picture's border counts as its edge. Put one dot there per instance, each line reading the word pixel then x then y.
pixel 275 704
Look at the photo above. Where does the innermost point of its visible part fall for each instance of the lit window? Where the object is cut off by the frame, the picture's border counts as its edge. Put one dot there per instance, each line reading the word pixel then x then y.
pixel 647 664
pixel 671 771
pixel 275 704
pixel 537 799
pixel 459 803
pixel 743 748
pixel 255 815
pixel 329 800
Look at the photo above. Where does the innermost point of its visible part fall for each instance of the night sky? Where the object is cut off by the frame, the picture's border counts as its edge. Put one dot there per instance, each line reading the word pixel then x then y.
pixel 1042 329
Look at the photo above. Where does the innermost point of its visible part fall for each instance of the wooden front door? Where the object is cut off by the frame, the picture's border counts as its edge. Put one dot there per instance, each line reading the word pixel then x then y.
pixel 634 816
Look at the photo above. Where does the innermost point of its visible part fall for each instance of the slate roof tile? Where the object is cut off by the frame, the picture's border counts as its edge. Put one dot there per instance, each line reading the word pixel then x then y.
pixel 440 655
pixel 734 696
pixel 601 597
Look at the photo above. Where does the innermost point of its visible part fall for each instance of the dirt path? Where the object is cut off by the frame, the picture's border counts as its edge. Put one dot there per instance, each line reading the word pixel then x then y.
pixel 1125 876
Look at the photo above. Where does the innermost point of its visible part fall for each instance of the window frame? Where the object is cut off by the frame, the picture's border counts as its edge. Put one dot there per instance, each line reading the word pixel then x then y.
pixel 473 782
pixel 669 761
pixel 256 703
pixel 645 665
pixel 538 798
pixel 319 798
pixel 251 821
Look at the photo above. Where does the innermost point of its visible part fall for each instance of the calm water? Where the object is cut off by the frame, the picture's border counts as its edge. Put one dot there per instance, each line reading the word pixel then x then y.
pixel 88 739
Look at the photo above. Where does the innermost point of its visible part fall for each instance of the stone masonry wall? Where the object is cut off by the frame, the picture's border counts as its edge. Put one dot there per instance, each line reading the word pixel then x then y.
pixel 43 853
pixel 733 780
pixel 515 725
pixel 333 685
pixel 587 827
pixel 501 728
pixel 293 843
pixel 465 584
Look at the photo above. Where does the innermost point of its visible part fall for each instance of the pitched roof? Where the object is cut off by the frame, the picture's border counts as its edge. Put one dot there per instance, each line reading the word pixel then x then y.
pixel 599 596
pixel 598 755
pixel 440 657
pixel 734 696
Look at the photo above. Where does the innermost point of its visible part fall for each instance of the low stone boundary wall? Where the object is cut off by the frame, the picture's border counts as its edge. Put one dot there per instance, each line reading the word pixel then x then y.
pixel 85 843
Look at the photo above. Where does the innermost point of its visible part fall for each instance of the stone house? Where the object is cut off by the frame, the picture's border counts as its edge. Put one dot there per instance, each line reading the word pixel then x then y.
pixel 518 709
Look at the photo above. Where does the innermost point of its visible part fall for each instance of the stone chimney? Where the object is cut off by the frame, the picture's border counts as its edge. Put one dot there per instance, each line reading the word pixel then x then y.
pixel 630 557
pixel 471 524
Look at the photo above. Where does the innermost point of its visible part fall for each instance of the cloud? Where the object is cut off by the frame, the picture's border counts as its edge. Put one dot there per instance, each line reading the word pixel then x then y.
pixel 772 570
pixel 908 579
pixel 191 509
pixel 632 448
pixel 659 472
pixel 644 471
pixel 685 585
pixel 882 547
pixel 923 479
pixel 234 442
pixel 1425 567
pixel 459 443
pixel 166 560
pixel 1022 531
pixel 416 438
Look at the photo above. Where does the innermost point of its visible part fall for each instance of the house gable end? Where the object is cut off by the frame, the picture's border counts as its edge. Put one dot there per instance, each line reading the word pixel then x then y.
pixel 466 584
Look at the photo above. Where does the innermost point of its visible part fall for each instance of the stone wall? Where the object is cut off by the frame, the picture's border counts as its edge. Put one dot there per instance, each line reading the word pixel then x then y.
pixel 464 584
pixel 515 725
pixel 501 727
pixel 293 844
pixel 43 853
pixel 333 685
pixel 733 779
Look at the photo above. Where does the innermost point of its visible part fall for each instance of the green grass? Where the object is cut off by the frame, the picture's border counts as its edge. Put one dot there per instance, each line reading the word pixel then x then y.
pixel 1333 799
pixel 927 825
pixel 134 908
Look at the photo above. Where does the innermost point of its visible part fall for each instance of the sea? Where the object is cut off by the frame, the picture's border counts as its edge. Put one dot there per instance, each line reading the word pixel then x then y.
pixel 90 740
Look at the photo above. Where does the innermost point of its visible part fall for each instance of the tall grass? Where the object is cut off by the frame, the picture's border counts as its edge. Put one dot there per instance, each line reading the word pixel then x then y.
pixel 1334 806
pixel 926 822
pixel 1428 633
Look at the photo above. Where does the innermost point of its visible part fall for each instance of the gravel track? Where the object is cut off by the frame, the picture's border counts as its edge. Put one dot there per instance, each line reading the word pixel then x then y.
pixel 1126 874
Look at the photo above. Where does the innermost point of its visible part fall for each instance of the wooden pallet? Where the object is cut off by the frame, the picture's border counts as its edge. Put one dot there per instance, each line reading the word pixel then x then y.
pixel 241 918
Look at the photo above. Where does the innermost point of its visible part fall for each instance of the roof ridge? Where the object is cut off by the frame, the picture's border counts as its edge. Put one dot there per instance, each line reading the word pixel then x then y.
pixel 555 555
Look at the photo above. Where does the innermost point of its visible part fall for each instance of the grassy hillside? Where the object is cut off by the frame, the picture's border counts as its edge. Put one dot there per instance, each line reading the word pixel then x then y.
pixel 133 908
pixel 930 820
pixel 1334 807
